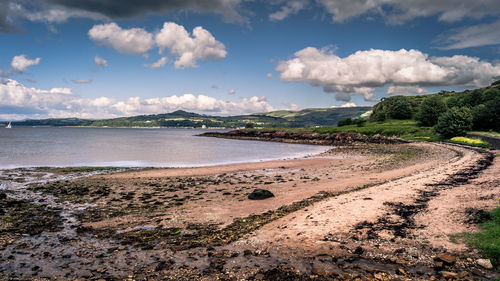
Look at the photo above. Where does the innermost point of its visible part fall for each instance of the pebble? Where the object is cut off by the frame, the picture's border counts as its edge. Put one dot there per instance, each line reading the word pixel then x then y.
pixel 446 258
pixel 447 274
pixel 485 263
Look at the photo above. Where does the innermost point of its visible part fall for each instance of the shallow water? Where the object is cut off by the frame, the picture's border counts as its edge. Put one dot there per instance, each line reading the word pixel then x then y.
pixel 130 147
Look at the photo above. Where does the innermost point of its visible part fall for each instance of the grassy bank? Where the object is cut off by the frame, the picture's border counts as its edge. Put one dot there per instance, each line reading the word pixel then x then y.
pixel 488 239
pixel 404 129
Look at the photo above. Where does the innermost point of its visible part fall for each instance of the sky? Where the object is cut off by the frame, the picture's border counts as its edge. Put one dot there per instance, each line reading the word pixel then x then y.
pixel 110 58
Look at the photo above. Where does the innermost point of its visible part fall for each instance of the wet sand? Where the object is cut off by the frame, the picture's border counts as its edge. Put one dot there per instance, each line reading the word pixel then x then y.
pixel 373 211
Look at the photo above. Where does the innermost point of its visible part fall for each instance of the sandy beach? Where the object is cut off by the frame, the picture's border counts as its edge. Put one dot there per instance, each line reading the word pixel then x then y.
pixel 367 211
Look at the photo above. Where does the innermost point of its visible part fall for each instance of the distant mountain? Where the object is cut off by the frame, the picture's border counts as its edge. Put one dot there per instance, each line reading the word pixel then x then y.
pixel 310 117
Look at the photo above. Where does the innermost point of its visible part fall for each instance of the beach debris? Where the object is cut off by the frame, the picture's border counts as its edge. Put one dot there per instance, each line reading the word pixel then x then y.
pixel 486 263
pixel 260 194
pixel 446 258
pixel 448 275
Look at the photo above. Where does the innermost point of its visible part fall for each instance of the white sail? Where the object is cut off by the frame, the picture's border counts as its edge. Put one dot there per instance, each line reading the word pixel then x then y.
pixel 9 125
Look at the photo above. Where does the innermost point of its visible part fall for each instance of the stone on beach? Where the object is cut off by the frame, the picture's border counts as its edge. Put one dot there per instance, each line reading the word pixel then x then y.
pixel 260 194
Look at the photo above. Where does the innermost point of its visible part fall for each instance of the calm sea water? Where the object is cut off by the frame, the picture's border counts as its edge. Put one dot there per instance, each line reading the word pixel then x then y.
pixel 47 146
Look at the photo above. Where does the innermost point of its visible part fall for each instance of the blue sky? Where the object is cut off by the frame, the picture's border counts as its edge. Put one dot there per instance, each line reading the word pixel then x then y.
pixel 250 56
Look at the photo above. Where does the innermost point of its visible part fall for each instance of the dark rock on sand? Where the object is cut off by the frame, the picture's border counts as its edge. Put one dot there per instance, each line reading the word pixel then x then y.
pixel 260 194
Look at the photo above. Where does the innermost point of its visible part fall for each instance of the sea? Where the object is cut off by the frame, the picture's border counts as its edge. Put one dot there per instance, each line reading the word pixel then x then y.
pixel 134 147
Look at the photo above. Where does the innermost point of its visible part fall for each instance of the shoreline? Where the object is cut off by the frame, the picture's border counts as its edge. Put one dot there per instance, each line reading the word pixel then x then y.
pixel 298 155
pixel 197 223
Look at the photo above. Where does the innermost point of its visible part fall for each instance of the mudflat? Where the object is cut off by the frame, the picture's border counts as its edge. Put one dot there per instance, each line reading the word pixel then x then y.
pixel 368 211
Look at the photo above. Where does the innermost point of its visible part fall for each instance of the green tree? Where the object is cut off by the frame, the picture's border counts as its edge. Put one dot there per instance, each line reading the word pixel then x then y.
pixel 454 122
pixel 430 110
pixel 400 108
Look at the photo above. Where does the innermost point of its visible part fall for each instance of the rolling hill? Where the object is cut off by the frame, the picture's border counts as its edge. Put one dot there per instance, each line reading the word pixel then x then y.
pixel 311 117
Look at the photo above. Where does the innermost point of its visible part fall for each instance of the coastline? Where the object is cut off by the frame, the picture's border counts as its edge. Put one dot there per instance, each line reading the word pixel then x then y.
pixel 196 223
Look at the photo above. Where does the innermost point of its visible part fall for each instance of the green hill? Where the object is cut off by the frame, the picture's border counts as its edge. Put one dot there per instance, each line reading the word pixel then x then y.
pixel 288 119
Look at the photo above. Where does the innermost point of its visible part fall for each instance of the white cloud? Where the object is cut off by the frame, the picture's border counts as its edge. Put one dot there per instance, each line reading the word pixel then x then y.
pixel 472 36
pixel 290 8
pixel 189 49
pixel 82 81
pixel 396 11
pixel 100 61
pixel 19 101
pixel 135 41
pixel 292 106
pixel 348 104
pixel 365 71
pixel 269 75
pixel 21 63
pixel 405 91
pixel 161 62
pixel 232 92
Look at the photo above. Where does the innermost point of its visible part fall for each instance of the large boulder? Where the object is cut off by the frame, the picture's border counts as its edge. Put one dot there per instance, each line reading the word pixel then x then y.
pixel 260 194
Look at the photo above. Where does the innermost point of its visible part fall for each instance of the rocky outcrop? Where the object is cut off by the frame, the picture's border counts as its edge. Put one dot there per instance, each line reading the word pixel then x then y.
pixel 307 138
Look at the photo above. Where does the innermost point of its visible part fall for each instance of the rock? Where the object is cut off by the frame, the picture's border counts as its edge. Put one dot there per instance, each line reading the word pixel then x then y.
pixel 438 264
pixel 259 276
pixel 359 250
pixel 260 194
pixel 3 196
pixel 448 275
pixel 446 258
pixel 485 263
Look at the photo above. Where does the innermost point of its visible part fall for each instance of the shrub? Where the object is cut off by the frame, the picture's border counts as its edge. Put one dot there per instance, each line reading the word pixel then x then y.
pixel 249 125
pixel 360 122
pixel 344 122
pixel 454 122
pixel 430 110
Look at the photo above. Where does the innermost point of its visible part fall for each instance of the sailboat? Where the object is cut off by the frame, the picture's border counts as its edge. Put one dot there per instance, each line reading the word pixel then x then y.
pixel 9 125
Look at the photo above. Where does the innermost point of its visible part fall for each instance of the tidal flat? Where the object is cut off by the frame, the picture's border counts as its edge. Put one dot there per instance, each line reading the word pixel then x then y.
pixel 358 211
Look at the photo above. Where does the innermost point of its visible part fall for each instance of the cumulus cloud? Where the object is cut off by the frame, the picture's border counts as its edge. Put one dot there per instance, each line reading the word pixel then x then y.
pixel 365 71
pixel 26 102
pixel 82 81
pixel 348 104
pixel 290 8
pixel 400 11
pixel 21 63
pixel 472 36
pixel 232 92
pixel 135 41
pixel 292 106
pixel 161 62
pixel 100 61
pixel 405 91
pixel 202 45
pixel 188 49
pixel 12 12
